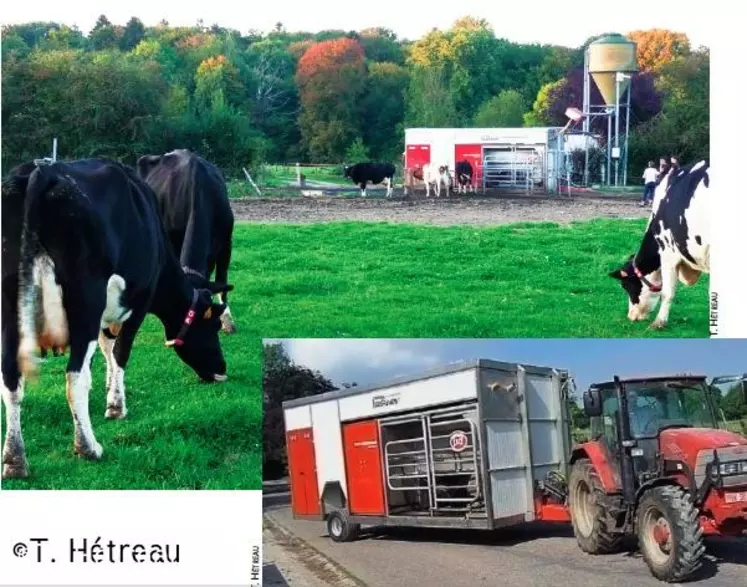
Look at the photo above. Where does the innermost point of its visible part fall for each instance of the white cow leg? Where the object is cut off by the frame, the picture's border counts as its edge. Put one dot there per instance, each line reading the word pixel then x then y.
pixel 668 286
pixel 78 388
pixel 116 407
pixel 15 465
pixel 388 187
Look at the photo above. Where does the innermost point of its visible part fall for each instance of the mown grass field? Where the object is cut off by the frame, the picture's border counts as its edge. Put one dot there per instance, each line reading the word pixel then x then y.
pixel 337 280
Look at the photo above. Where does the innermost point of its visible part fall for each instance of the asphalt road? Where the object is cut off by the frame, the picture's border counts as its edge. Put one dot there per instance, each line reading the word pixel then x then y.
pixel 529 556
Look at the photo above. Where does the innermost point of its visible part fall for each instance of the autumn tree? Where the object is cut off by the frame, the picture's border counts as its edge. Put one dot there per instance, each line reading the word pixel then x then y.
pixel 331 78
pixel 656 48
pixel 504 110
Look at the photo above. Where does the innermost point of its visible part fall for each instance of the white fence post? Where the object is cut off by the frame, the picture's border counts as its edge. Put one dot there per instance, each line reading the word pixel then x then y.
pixel 54 150
pixel 298 173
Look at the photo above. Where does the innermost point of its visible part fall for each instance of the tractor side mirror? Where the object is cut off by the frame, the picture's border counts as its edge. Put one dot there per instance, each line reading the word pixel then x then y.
pixel 593 403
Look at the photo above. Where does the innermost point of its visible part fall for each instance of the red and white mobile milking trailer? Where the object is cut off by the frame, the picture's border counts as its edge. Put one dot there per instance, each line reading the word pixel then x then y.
pixel 468 445
pixel 485 444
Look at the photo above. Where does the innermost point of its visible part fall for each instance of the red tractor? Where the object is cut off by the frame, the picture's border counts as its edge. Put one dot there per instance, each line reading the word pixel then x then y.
pixel 659 468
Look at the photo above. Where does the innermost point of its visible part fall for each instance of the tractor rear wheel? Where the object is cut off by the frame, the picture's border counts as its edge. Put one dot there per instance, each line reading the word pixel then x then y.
pixel 591 520
pixel 669 533
pixel 340 528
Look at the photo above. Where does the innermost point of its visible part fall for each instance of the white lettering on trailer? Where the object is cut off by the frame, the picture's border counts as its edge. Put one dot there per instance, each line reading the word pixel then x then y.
pixel 382 401
pixel 433 391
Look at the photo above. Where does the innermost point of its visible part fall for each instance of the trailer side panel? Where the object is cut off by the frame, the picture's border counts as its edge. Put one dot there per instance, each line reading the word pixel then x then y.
pixel 328 451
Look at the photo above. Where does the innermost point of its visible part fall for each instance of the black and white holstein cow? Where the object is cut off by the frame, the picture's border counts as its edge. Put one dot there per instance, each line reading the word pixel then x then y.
pixel 464 176
pixel 86 256
pixel 375 173
pixel 193 200
pixel 676 243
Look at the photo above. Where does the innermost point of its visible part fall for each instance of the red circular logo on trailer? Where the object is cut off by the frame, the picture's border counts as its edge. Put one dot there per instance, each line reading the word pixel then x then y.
pixel 458 441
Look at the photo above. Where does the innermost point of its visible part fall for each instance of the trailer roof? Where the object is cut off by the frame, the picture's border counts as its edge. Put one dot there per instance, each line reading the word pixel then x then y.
pixel 463 365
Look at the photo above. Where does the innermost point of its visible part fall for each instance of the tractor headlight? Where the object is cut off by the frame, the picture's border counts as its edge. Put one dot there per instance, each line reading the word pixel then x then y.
pixel 735 468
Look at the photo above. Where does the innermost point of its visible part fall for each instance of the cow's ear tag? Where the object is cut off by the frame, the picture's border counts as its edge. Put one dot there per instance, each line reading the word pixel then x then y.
pixel 208 313
pixel 623 273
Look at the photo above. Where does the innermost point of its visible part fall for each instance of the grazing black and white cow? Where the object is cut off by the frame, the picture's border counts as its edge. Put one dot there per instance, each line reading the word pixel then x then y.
pixel 85 248
pixel 196 213
pixel 464 176
pixel 676 243
pixel 375 173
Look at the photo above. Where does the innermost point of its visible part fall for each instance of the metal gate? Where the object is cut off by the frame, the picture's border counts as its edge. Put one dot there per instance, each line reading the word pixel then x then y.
pixel 439 456
pixel 512 167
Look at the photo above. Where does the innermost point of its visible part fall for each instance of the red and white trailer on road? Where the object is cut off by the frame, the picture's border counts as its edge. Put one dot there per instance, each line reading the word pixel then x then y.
pixel 467 445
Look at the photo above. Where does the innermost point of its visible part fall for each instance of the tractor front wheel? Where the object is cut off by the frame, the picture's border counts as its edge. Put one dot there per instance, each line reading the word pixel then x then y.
pixel 591 520
pixel 669 533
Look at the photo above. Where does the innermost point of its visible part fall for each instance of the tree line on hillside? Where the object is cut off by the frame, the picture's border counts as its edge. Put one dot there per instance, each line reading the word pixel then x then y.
pixel 244 99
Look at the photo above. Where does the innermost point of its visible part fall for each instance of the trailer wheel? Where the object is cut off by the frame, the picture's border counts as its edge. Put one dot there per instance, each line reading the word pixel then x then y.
pixel 590 518
pixel 340 529
pixel 669 534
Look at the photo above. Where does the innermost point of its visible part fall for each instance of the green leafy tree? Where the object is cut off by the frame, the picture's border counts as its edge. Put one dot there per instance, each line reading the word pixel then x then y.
pixel 103 35
pixel 133 33
pixel 383 106
pixel 429 100
pixel 357 152
pixel 540 113
pixel 504 110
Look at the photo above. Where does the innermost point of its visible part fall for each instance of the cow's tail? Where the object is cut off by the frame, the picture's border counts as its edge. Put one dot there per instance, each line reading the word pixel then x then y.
pixel 40 182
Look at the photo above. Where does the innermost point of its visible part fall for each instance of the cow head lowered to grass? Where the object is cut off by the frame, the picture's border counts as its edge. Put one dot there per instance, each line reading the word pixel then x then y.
pixel 196 341
pixel 675 245
pixel 196 213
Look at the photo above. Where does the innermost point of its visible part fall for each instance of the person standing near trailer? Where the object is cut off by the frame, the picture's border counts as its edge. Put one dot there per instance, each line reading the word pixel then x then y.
pixel 650 175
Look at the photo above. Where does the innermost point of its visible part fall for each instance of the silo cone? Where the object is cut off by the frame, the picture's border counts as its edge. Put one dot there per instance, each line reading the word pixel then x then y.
pixel 608 55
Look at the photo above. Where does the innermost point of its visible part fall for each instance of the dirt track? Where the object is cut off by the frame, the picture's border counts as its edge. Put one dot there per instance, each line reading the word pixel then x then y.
pixel 465 210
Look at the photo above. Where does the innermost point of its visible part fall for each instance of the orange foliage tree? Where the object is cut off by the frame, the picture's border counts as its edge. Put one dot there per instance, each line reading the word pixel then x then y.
pixel 331 76
pixel 659 47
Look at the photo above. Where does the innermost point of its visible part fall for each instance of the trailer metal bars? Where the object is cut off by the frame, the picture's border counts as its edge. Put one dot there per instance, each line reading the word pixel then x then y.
pixel 427 463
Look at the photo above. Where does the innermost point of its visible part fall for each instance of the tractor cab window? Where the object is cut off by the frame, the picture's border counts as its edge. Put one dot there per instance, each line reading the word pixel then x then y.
pixel 655 405
pixel 606 426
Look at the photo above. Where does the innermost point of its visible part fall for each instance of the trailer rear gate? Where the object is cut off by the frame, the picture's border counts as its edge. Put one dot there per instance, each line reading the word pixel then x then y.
pixel 464 445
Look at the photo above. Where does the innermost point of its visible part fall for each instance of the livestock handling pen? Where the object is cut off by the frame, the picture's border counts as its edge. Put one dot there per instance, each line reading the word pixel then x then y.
pixel 485 444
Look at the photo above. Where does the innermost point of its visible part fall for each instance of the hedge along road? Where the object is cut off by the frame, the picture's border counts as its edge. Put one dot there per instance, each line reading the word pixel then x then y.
pixel 526 556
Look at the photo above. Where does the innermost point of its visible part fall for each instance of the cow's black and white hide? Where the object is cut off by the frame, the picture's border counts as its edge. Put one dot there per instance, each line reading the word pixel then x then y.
pixel 675 245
